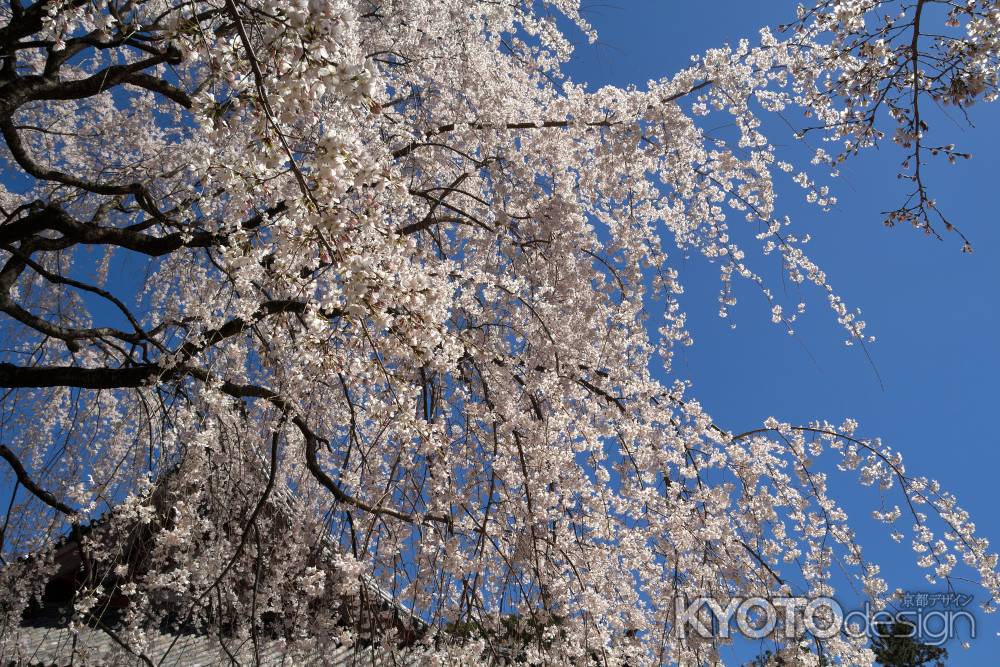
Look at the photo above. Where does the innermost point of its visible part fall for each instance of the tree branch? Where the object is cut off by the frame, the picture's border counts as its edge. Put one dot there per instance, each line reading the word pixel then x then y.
pixel 28 483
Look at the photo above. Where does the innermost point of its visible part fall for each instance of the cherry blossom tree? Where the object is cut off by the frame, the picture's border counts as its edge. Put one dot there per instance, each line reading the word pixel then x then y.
pixel 393 303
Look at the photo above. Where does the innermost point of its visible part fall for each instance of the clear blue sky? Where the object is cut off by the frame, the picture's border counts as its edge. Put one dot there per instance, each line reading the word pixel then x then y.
pixel 933 309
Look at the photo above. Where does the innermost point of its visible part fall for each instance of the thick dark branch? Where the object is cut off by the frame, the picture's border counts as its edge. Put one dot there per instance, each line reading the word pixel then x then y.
pixel 427 223
pixel 237 325
pixel 136 376
pixel 61 280
pixel 26 162
pixel 160 86
pixel 26 21
pixel 37 88
pixel 73 376
pixel 62 332
pixel 54 218
pixel 30 485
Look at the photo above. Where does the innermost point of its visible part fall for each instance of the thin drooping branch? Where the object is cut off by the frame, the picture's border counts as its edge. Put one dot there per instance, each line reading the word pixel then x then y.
pixel 529 125
pixel 312 442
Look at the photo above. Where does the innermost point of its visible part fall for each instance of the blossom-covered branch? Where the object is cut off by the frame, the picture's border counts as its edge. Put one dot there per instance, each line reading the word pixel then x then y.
pixel 352 322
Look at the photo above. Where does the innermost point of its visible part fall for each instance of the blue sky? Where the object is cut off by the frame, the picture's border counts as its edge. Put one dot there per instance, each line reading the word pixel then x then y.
pixel 933 309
